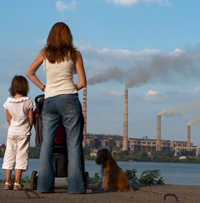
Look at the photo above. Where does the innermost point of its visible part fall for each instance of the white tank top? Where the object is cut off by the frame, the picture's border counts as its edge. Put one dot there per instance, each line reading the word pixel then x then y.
pixel 59 78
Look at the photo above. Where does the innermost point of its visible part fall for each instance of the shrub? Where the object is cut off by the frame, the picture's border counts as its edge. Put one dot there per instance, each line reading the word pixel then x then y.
pixel 131 176
pixel 95 179
pixel 149 177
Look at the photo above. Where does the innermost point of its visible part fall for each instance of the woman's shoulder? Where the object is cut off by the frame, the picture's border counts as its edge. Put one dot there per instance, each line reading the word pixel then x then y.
pixel 78 55
pixel 42 53
pixel 78 52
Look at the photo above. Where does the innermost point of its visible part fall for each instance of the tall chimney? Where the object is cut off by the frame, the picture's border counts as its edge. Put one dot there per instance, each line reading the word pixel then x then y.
pixel 158 142
pixel 125 134
pixel 188 136
pixel 84 111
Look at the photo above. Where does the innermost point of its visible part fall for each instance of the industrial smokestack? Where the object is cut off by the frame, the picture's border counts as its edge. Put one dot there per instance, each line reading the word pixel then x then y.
pixel 84 111
pixel 125 134
pixel 158 138
pixel 188 136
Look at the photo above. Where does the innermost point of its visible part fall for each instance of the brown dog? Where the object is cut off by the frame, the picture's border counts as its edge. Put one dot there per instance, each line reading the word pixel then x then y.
pixel 113 177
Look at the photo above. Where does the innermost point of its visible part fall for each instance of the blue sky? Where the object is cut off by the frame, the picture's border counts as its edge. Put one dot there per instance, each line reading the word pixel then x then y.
pixel 152 46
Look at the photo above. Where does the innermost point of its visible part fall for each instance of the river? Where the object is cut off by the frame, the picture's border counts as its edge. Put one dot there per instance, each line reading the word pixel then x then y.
pixel 172 173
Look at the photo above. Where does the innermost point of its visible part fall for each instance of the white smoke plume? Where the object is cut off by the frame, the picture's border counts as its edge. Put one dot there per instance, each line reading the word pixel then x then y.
pixel 169 112
pixel 194 121
pixel 181 110
pixel 163 68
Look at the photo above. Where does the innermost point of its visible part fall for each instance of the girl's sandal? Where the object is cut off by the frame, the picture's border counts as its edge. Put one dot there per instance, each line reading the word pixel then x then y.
pixel 18 186
pixel 88 191
pixel 8 186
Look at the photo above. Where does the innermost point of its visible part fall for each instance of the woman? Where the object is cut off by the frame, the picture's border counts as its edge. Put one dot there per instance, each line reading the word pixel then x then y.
pixel 61 60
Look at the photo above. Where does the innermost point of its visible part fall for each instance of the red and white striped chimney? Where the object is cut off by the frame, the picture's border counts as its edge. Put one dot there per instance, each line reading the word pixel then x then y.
pixel 158 137
pixel 125 133
pixel 188 135
pixel 84 111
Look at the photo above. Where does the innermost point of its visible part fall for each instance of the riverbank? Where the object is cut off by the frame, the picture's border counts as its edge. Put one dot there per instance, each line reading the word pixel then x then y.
pixel 141 194
pixel 172 173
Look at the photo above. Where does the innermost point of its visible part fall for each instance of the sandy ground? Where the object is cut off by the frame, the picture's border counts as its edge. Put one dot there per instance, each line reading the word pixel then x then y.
pixel 141 194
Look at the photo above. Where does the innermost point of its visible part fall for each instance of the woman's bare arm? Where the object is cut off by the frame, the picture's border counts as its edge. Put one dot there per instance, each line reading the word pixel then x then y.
pixel 80 72
pixel 33 69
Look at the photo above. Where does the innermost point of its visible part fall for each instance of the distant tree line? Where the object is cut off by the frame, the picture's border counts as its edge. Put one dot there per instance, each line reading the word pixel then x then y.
pixel 155 157
pixel 162 156
pixel 34 152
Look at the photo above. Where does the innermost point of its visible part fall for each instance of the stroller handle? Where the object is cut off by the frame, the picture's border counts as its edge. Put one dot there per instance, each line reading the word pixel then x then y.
pixel 39 103
pixel 39 96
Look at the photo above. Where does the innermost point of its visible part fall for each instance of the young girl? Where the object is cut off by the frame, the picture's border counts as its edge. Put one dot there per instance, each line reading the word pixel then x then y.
pixel 19 113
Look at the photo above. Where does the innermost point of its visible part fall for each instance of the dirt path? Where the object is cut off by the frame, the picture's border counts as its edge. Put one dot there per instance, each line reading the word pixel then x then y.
pixel 147 194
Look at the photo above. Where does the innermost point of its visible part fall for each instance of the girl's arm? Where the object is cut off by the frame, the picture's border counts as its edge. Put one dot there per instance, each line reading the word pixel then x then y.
pixel 8 117
pixel 33 68
pixel 30 115
pixel 80 72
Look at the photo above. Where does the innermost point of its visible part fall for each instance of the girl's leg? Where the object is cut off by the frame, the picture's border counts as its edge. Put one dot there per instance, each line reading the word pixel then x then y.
pixel 18 174
pixel 17 184
pixel 9 159
pixel 8 175
pixel 8 183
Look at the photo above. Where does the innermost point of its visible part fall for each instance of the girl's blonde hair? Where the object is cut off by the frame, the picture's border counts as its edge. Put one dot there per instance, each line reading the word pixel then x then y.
pixel 19 85
pixel 59 46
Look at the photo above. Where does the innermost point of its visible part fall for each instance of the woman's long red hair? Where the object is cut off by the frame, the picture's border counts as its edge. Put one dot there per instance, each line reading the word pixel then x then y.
pixel 59 46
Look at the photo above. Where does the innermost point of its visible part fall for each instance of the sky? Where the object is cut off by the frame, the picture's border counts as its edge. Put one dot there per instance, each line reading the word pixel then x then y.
pixel 152 47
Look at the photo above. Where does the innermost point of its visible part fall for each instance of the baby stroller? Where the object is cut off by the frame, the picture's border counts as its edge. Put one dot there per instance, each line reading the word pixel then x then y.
pixel 60 148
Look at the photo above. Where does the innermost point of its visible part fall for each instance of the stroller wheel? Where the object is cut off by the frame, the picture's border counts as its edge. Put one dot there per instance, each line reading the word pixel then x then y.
pixel 86 179
pixel 34 178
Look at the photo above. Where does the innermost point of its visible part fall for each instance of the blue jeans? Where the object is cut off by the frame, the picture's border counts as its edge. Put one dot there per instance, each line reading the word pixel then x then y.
pixel 68 108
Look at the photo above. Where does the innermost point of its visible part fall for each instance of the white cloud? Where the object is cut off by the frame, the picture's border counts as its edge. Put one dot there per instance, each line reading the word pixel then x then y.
pixel 61 5
pixel 117 93
pixel 151 93
pixel 153 96
pixel 102 59
pixel 136 2
pixel 99 60
pixel 177 52
pixel 87 47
